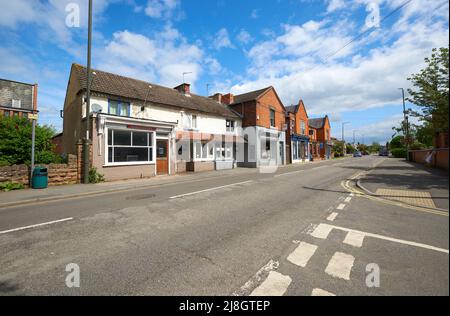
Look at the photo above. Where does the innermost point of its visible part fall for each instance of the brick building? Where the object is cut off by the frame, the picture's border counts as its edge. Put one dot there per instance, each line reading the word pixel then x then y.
pixel 297 134
pixel 320 135
pixel 17 98
pixel 264 122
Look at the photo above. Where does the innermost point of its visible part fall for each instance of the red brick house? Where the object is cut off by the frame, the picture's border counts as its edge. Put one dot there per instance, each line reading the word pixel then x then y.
pixel 297 134
pixel 263 119
pixel 320 135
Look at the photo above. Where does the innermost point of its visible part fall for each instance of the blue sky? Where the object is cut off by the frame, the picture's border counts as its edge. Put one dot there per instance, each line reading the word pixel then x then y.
pixel 298 46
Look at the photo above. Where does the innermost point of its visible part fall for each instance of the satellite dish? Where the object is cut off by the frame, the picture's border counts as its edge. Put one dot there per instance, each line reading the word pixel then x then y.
pixel 96 108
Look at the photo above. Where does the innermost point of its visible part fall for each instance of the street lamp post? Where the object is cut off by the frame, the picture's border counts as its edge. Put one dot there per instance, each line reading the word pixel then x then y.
pixel 406 123
pixel 343 138
pixel 86 146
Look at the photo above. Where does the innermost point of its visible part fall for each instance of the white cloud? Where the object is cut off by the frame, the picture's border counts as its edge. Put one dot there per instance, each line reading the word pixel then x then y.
pixel 161 58
pixel 254 14
pixel 222 40
pixel 244 37
pixel 161 8
pixel 335 5
pixel 350 81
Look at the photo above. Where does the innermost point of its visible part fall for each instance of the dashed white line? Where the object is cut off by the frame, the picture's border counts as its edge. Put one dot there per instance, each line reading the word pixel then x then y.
pixel 348 199
pixel 322 231
pixel 210 189
pixel 341 206
pixel 340 265
pixel 301 255
pixel 36 225
pixel 332 216
pixel 354 239
pixel 276 284
pixel 320 292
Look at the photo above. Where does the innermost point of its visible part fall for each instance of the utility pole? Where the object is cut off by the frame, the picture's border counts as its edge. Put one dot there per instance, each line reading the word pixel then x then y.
pixel 343 138
pixel 406 124
pixel 86 146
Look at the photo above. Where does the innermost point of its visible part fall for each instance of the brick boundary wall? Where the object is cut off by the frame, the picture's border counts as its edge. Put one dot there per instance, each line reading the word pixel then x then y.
pixel 439 160
pixel 58 174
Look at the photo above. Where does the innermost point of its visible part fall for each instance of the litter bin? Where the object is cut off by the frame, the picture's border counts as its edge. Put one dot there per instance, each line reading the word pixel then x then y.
pixel 40 178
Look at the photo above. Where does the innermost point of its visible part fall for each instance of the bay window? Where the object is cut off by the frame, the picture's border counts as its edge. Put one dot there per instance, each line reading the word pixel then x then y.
pixel 126 146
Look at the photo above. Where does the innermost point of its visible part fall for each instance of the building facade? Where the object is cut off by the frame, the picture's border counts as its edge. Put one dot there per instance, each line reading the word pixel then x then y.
pixel 264 129
pixel 139 129
pixel 297 134
pixel 17 98
pixel 320 135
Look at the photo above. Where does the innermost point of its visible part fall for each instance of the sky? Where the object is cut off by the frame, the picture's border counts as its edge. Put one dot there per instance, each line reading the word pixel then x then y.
pixel 345 59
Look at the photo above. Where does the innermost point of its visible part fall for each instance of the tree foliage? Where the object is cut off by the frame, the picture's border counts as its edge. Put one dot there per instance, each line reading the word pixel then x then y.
pixel 15 142
pixel 431 88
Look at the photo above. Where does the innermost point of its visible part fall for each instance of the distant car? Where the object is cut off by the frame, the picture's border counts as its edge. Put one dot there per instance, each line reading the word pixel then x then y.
pixel 383 152
pixel 357 154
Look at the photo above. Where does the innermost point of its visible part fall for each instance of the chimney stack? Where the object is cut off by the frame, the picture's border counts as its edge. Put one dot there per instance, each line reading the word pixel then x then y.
pixel 184 88
pixel 228 99
pixel 217 97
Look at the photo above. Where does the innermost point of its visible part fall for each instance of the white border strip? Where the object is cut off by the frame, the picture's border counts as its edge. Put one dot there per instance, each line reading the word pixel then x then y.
pixel 36 225
pixel 207 190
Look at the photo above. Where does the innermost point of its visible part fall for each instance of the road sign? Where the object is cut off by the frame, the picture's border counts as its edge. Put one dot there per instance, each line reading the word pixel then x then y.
pixel 33 117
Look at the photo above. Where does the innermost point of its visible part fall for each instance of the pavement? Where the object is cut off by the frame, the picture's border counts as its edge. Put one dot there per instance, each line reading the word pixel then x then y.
pixel 408 182
pixel 298 231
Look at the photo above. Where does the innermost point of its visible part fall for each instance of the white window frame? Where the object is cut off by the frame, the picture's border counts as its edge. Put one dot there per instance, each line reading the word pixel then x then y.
pixel 209 156
pixel 232 127
pixel 150 135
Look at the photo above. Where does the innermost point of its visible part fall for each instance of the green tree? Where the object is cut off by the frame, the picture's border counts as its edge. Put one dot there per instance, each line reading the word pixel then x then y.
pixel 15 142
pixel 349 148
pixel 431 88
pixel 338 149
pixel 397 142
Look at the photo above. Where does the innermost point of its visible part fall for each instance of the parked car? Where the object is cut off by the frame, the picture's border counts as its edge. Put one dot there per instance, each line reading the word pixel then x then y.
pixel 357 154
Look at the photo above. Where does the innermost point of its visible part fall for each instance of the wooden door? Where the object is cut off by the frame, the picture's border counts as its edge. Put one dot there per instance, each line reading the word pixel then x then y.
pixel 162 156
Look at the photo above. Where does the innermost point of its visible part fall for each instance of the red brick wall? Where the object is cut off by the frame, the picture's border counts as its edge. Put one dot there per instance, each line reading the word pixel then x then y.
pixel 439 160
pixel 267 102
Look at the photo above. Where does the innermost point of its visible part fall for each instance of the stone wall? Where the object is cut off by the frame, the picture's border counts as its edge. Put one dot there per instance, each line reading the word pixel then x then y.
pixel 58 174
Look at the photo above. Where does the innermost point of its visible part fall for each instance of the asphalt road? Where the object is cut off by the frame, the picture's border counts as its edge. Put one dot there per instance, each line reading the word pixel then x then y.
pixel 216 236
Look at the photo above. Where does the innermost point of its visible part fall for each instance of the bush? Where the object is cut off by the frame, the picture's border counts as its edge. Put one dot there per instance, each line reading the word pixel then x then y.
pixel 9 186
pixel 95 176
pixel 15 142
pixel 418 146
pixel 399 152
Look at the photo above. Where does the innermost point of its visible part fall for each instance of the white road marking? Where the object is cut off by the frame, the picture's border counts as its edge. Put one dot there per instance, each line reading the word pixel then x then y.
pixel 352 194
pixel 256 279
pixel 320 292
pixel 340 265
pixel 341 206
pixel 301 255
pixel 211 189
pixel 354 239
pixel 332 216
pixel 276 284
pixel 315 168
pixel 322 231
pixel 288 173
pixel 348 199
pixel 36 225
